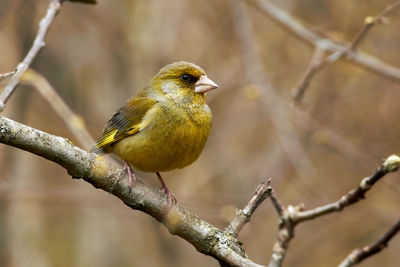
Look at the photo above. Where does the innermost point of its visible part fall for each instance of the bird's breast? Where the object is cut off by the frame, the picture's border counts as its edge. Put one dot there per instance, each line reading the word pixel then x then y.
pixel 171 137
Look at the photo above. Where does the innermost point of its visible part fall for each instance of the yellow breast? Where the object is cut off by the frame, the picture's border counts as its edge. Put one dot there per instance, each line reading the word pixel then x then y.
pixel 171 137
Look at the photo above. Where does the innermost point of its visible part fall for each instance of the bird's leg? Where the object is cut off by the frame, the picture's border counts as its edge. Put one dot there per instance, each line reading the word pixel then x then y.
pixel 131 174
pixel 165 189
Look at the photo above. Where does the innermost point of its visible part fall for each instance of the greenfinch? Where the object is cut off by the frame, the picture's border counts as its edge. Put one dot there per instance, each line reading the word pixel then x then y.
pixel 163 127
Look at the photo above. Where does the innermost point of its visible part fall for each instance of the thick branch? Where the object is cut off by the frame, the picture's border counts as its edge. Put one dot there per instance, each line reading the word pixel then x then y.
pixel 359 255
pixel 92 168
pixel 243 215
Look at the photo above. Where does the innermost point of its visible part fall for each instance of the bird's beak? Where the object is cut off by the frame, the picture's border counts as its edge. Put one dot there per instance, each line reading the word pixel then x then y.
pixel 204 84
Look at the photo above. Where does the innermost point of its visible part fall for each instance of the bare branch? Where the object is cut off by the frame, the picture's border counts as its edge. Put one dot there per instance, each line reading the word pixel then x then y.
pixel 389 165
pixel 7 75
pixel 318 62
pixel 369 22
pixel 205 237
pixel 243 215
pixel 85 1
pixel 74 122
pixel 38 44
pixel 277 204
pixel 291 216
pixel 296 27
pixel 315 65
pixel 359 255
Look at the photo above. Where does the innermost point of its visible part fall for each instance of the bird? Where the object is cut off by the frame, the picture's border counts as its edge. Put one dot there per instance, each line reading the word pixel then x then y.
pixel 164 126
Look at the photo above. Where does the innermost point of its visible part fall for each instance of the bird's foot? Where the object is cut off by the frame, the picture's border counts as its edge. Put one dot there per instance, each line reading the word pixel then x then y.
pixel 164 188
pixel 131 174
pixel 170 195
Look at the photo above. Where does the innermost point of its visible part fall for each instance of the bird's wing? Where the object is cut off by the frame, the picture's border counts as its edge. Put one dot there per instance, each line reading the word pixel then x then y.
pixel 125 122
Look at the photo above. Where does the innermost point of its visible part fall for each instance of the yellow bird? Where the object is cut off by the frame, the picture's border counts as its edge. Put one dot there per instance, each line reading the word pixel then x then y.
pixel 163 127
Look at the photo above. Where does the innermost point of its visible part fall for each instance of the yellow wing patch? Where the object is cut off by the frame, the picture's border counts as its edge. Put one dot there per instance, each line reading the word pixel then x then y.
pixel 127 121
pixel 106 139
pixel 114 135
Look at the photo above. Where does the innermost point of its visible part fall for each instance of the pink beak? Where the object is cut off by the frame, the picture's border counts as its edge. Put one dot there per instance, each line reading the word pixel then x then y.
pixel 204 84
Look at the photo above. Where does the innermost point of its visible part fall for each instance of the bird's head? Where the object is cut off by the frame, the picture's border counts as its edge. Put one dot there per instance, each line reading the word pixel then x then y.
pixel 183 81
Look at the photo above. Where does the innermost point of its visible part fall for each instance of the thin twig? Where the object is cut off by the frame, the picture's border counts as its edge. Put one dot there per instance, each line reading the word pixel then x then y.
pixel 291 216
pixel 359 255
pixel 7 75
pixel 276 203
pixel 389 165
pixel 74 122
pixel 38 44
pixel 369 22
pixel 318 62
pixel 313 67
pixel 243 215
pixel 296 27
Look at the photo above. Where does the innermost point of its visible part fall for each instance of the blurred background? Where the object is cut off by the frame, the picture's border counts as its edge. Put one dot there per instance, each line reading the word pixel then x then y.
pixel 96 56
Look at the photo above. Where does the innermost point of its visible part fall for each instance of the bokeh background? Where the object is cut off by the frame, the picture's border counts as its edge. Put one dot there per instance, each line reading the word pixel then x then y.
pixel 97 56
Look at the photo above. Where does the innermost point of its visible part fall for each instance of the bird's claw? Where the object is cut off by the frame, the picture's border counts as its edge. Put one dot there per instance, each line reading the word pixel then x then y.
pixel 131 174
pixel 171 197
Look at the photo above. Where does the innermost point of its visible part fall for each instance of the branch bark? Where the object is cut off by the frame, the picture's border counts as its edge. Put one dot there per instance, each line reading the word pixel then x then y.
pixel 358 255
pixel 37 45
pixel 80 164
pixel 318 62
pixel 7 75
pixel 391 164
pixel 74 122
pixel 243 215
pixel 296 27
pixel 293 215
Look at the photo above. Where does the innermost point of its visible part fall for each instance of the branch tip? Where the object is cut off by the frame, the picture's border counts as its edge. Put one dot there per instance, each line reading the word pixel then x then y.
pixel 391 164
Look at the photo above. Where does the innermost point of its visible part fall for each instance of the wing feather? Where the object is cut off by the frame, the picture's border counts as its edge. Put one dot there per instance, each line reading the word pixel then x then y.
pixel 125 122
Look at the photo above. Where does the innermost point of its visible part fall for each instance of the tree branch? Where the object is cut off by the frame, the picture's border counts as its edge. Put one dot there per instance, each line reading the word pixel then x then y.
pixel 296 27
pixel 92 168
pixel 293 215
pixel 369 22
pixel 359 255
pixel 74 122
pixel 391 164
pixel 243 215
pixel 37 45
pixel 318 62
pixel 7 75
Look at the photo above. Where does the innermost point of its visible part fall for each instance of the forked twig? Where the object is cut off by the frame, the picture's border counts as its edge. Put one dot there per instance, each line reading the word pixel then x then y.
pixel 291 216
pixel 318 62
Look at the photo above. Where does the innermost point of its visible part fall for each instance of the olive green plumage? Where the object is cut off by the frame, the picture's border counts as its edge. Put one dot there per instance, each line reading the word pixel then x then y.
pixel 166 125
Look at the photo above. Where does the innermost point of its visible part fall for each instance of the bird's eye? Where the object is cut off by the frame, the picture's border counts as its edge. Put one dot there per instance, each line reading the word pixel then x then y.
pixel 187 78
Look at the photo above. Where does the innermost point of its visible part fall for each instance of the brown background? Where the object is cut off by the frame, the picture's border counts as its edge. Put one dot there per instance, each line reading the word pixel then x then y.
pixel 98 56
